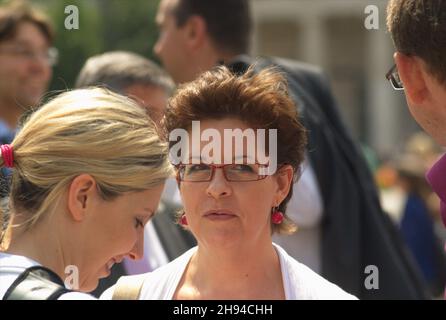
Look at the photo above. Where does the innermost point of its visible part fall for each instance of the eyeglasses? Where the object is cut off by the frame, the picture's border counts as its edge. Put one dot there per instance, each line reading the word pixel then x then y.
pixel 394 78
pixel 202 172
pixel 50 56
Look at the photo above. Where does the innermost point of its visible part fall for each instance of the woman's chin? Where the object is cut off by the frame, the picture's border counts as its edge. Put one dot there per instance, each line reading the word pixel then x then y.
pixel 223 241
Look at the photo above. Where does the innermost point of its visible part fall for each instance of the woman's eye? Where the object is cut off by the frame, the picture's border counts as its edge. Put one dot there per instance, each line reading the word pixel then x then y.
pixel 138 223
pixel 243 167
pixel 197 167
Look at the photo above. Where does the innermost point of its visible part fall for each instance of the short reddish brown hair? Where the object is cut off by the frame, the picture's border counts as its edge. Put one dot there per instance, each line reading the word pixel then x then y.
pixel 260 100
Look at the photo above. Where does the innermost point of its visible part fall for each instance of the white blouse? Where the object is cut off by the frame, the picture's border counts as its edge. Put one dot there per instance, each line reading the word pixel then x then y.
pixel 300 282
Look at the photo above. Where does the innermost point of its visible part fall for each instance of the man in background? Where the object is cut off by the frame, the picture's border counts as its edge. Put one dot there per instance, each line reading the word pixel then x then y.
pixel 132 75
pixel 418 29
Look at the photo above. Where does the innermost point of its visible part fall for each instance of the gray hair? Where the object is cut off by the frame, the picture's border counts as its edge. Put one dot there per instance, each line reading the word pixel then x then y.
pixel 117 70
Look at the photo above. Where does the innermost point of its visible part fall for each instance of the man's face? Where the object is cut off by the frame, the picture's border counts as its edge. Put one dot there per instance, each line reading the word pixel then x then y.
pixel 24 77
pixel 171 46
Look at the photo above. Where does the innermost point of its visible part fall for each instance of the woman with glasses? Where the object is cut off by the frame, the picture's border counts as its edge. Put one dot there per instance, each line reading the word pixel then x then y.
pixel 234 199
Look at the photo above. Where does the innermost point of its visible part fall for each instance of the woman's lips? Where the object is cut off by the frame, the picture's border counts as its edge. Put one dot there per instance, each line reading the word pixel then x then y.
pixel 218 215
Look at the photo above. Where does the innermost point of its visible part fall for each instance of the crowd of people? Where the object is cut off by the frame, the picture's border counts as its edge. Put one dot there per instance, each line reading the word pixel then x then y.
pixel 91 189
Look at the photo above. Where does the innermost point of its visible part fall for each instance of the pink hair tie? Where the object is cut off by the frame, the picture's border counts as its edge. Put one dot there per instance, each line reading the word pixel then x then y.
pixel 7 155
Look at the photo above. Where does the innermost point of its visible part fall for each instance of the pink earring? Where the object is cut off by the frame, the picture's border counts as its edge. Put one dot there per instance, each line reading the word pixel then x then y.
pixel 183 220
pixel 277 216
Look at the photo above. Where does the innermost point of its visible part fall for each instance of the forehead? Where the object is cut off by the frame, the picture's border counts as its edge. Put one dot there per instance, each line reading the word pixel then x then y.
pixel 28 33
pixel 231 135
pixel 225 123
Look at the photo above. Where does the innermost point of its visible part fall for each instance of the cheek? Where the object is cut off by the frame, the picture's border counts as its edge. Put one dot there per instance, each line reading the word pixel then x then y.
pixel 259 200
pixel 194 199
pixel 3 70
pixel 260 203
pixel 161 45
pixel 121 241
pixel 118 232
pixel 126 235
pixel 12 71
pixel 44 75
pixel 48 73
pixel 173 48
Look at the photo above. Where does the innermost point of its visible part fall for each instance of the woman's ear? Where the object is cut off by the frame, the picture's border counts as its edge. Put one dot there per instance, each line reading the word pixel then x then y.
pixel 81 194
pixel 284 176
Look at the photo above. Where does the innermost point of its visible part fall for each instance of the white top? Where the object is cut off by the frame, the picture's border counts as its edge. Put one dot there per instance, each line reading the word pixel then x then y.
pixel 11 266
pixel 300 282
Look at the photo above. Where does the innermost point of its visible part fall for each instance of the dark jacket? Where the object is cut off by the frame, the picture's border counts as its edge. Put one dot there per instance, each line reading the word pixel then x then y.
pixel 355 230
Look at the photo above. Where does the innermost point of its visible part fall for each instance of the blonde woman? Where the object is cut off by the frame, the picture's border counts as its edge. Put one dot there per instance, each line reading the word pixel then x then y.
pixel 88 172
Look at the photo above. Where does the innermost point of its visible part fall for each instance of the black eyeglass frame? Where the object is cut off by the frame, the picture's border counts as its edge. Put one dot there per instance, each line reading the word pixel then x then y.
pixel 394 78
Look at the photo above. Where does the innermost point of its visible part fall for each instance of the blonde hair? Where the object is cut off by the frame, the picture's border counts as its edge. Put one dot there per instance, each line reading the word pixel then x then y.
pixel 91 131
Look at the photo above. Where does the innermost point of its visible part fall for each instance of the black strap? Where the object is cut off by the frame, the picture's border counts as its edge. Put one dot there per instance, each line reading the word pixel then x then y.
pixel 36 283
